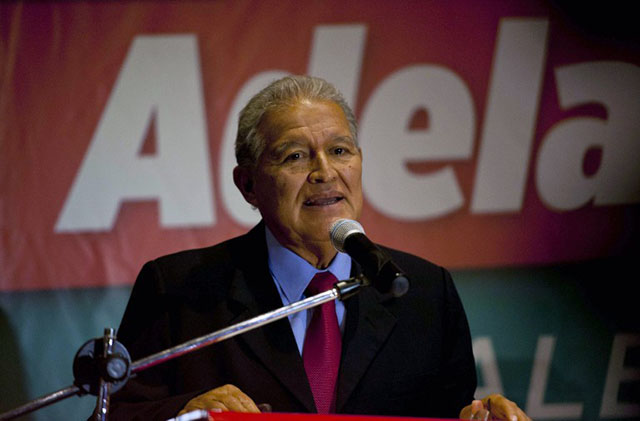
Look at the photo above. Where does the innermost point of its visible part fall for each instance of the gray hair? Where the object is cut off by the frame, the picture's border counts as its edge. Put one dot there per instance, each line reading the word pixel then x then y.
pixel 250 143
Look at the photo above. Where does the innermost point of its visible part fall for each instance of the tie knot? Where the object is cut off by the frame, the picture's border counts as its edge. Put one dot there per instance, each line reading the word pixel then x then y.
pixel 321 282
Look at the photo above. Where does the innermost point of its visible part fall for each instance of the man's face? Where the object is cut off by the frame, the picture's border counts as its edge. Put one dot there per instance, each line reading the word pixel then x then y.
pixel 309 174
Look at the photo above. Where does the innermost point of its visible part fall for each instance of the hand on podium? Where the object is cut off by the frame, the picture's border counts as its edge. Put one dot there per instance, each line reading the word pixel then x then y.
pixel 223 398
pixel 493 407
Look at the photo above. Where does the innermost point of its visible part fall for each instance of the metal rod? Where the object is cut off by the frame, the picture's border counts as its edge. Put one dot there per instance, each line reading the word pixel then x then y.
pixel 234 330
pixel 341 290
pixel 41 402
pixel 104 388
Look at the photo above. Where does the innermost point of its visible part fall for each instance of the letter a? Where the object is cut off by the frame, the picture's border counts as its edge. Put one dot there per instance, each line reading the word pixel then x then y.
pixel 160 76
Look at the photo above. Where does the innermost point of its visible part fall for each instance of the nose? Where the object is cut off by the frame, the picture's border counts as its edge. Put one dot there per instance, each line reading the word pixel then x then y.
pixel 321 169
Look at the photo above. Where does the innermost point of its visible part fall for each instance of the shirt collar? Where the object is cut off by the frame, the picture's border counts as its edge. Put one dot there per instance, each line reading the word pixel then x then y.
pixel 292 273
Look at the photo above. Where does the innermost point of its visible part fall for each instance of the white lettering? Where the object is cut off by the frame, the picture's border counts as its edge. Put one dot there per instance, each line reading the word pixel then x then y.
pixel 510 119
pixel 560 177
pixel 160 75
pixel 536 408
pixel 336 56
pixel 486 357
pixel 388 143
pixel 618 373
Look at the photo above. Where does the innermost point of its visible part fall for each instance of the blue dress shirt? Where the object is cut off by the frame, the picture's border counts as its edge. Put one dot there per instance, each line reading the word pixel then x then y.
pixel 292 275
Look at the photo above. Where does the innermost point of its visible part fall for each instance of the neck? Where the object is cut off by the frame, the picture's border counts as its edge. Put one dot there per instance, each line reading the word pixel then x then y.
pixel 320 255
pixel 319 252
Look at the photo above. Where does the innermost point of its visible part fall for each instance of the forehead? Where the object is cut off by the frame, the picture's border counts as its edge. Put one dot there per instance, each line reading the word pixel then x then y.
pixel 305 117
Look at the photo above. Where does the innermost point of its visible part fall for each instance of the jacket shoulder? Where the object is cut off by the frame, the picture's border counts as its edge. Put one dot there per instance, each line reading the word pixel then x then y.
pixel 204 267
pixel 415 266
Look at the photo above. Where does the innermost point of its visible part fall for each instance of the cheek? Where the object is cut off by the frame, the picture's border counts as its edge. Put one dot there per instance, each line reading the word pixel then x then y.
pixel 285 189
pixel 353 175
pixel 267 190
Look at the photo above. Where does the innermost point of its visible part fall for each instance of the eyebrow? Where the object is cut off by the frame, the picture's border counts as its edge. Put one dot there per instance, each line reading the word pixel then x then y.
pixel 290 143
pixel 279 149
pixel 347 139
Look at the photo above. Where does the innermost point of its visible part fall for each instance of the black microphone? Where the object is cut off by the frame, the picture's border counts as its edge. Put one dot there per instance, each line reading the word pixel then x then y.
pixel 347 236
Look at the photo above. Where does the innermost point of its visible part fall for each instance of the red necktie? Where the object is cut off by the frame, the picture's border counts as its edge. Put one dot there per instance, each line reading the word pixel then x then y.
pixel 322 346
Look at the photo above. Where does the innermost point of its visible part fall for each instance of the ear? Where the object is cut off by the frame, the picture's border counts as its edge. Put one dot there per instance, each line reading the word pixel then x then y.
pixel 243 179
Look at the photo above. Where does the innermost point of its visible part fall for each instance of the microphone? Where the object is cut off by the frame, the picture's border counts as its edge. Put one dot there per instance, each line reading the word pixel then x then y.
pixel 347 236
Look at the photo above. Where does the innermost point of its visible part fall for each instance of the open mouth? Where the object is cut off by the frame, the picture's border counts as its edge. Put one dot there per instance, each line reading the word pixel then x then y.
pixel 323 201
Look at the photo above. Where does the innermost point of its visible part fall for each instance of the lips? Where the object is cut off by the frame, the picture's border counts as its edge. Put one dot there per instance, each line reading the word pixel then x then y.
pixel 323 200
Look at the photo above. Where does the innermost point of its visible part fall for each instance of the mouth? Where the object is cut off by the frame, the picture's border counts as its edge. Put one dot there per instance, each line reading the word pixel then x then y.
pixel 323 200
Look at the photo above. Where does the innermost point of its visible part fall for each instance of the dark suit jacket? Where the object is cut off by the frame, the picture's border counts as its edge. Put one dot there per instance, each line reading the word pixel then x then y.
pixel 401 356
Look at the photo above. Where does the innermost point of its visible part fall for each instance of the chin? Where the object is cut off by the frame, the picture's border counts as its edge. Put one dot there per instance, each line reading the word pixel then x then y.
pixel 318 230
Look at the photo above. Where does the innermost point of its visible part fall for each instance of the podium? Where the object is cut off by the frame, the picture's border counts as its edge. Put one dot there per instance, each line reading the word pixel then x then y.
pixel 203 415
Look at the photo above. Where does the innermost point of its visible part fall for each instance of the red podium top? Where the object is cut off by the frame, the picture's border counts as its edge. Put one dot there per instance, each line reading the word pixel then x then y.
pixel 238 416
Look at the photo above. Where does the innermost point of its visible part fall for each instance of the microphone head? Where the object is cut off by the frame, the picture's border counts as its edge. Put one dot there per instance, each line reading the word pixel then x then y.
pixel 341 229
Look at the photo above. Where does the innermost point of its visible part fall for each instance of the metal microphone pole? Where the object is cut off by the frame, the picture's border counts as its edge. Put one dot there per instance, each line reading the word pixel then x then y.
pixel 102 365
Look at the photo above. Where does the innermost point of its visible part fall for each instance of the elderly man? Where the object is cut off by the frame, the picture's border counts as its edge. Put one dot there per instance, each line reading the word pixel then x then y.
pixel 300 165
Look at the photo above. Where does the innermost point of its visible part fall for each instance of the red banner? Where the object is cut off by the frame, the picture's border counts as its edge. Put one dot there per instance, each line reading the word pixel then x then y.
pixel 493 134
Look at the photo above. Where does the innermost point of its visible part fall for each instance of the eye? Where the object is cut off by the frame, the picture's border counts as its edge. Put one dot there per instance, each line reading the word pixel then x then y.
pixel 293 156
pixel 341 150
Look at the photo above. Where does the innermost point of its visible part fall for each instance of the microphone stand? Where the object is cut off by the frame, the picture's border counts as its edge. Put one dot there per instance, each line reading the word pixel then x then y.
pixel 102 365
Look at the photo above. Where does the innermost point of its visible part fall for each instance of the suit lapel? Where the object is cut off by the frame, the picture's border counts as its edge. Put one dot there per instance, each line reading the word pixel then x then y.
pixel 368 326
pixel 274 344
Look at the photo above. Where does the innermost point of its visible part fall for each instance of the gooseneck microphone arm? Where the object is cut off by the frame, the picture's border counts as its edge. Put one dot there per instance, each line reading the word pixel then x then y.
pixel 102 365
pixel 341 290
